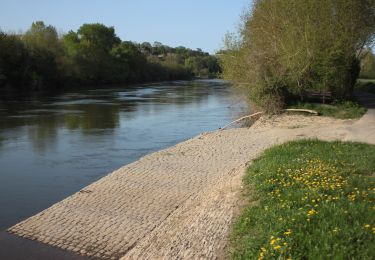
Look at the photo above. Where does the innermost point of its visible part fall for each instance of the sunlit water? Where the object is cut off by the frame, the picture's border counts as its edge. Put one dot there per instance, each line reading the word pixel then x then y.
pixel 51 147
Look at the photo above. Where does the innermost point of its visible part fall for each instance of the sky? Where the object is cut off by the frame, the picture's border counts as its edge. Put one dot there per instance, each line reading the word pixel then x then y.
pixel 190 23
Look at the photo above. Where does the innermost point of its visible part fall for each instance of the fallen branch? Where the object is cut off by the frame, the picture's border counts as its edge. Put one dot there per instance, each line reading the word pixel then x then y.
pixel 259 113
pixel 240 119
pixel 302 110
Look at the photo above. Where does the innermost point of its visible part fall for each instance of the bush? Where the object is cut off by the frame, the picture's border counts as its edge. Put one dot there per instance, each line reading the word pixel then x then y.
pixel 287 47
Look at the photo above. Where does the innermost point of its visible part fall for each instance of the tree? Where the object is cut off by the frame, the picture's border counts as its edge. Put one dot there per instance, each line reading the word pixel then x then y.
pixel 129 62
pixel 286 47
pixel 44 54
pixel 90 48
pixel 41 36
pixel 13 61
pixel 146 48
pixel 91 55
pixel 98 36
pixel 368 65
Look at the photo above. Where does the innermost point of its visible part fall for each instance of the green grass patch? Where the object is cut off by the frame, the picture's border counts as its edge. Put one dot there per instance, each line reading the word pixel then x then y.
pixel 366 85
pixel 314 200
pixel 342 110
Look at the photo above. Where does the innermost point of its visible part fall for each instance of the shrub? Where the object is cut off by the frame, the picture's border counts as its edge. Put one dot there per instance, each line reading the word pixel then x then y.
pixel 286 47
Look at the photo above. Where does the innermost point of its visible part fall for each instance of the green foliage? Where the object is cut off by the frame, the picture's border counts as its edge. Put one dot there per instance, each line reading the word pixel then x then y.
pixel 94 54
pixel 13 61
pixel 203 65
pixel 287 47
pixel 129 55
pixel 368 65
pixel 311 200
pixel 45 52
pixel 43 37
pixel 90 49
pixel 366 85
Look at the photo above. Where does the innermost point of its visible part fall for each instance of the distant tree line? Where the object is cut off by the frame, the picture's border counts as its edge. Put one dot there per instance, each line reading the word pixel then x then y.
pixel 41 58
pixel 287 48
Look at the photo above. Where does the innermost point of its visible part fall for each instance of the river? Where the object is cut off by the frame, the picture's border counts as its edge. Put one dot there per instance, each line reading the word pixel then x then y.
pixel 53 145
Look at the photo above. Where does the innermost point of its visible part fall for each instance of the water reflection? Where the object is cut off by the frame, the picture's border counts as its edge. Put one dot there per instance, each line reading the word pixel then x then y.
pixel 51 146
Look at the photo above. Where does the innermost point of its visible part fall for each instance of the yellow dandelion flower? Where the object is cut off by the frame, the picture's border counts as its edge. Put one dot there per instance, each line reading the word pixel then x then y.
pixel 287 233
pixel 311 212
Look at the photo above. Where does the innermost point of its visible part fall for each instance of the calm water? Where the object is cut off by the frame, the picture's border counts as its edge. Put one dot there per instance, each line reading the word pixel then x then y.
pixel 51 147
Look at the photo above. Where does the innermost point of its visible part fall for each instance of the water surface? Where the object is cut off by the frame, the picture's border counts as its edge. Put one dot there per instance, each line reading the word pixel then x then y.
pixel 52 146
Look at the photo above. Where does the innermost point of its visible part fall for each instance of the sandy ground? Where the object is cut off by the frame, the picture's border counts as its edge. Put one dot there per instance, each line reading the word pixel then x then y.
pixel 178 203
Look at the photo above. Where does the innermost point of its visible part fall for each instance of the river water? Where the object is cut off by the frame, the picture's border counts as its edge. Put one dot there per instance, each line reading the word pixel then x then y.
pixel 53 145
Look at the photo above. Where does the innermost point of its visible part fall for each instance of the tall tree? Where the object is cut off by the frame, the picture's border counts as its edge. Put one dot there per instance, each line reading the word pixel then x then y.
pixel 129 62
pixel 90 47
pixel 287 47
pixel 13 61
pixel 44 54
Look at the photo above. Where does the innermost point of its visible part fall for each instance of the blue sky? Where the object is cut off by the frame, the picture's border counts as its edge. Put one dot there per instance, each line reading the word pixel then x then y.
pixel 193 23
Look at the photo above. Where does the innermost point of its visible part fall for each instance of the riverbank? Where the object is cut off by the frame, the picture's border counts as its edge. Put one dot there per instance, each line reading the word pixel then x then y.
pixel 178 202
pixel 83 135
pixel 308 199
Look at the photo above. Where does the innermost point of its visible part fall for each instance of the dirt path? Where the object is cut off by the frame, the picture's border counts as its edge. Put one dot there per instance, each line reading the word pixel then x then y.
pixel 176 203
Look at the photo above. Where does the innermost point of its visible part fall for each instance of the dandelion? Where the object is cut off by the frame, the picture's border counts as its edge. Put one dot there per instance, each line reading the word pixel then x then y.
pixel 311 212
pixel 367 226
pixel 287 233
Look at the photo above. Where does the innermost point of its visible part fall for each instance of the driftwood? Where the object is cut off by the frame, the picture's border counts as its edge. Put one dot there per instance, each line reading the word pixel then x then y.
pixel 259 113
pixel 242 118
pixel 302 110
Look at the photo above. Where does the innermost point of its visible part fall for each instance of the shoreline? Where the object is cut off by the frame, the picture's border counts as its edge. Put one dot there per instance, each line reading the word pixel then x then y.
pixel 178 202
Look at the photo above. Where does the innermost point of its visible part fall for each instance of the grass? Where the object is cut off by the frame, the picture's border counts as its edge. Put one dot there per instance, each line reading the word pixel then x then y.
pixel 343 110
pixel 366 85
pixel 310 200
